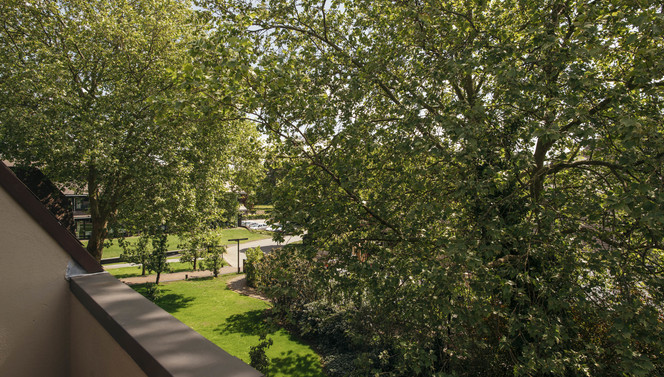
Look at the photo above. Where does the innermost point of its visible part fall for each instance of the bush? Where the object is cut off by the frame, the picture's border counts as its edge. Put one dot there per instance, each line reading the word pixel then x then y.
pixel 254 256
pixel 339 364
pixel 152 291
pixel 259 359
pixel 325 322
pixel 286 277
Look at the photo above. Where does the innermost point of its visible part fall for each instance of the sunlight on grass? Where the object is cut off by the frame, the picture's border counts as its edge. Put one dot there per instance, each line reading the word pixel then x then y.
pixel 234 322
pixel 127 272
pixel 114 250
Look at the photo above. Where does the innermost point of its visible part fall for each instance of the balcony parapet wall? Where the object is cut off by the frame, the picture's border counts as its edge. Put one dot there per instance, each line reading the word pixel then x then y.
pixel 158 343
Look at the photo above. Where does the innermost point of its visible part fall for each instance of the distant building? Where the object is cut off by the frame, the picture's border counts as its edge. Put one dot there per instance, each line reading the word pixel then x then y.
pixel 80 205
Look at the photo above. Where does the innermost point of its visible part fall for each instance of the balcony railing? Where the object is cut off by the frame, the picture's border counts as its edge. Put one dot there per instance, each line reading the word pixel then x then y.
pixel 115 329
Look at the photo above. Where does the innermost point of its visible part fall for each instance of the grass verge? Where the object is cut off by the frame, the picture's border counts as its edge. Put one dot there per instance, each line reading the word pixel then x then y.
pixel 114 250
pixel 128 272
pixel 234 323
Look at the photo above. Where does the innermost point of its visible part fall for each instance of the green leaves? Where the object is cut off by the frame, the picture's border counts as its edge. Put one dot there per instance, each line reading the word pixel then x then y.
pixel 504 158
pixel 106 95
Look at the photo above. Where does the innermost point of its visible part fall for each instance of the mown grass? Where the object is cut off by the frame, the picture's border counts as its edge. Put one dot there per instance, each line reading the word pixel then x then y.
pixel 235 322
pixel 114 250
pixel 128 272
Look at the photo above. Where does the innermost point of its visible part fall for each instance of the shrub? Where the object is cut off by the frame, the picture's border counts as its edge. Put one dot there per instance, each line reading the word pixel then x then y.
pixel 339 364
pixel 254 256
pixel 259 359
pixel 285 276
pixel 152 291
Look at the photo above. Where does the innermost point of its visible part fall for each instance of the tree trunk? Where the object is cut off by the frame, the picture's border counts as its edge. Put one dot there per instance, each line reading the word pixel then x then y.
pixel 100 214
pixel 96 242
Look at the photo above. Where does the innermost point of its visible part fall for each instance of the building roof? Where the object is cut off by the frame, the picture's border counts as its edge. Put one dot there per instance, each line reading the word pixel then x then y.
pixel 26 199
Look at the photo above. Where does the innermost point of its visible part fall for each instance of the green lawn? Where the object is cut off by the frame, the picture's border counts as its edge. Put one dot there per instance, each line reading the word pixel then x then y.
pixel 114 250
pixel 127 272
pixel 234 322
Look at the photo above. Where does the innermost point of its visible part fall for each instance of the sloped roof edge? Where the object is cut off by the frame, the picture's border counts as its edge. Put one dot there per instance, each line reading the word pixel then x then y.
pixel 26 199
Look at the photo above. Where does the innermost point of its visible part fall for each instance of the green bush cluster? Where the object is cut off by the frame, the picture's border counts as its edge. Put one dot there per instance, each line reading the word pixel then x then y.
pixel 287 277
pixel 356 339
pixel 254 256
pixel 152 292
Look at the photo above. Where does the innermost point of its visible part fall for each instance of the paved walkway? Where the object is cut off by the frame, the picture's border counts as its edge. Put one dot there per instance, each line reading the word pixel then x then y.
pixel 238 284
pixel 266 245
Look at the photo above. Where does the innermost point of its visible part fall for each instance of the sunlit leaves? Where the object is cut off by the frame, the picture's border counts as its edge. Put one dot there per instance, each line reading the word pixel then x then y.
pixel 485 177
pixel 104 96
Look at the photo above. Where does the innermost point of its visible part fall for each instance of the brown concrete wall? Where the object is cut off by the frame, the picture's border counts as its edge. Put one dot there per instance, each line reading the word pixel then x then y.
pixel 34 297
pixel 94 352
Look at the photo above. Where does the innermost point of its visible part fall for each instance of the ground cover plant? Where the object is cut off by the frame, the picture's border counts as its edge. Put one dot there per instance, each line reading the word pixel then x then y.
pixel 235 323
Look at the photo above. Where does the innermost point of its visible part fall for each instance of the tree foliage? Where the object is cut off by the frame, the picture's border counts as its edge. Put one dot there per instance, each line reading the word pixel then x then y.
pixel 214 252
pixel 483 180
pixel 137 252
pixel 254 257
pixel 156 261
pixel 195 246
pixel 93 93
pixel 259 359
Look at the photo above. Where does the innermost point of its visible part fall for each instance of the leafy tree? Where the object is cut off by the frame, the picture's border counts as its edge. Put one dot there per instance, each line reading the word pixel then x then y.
pixel 156 261
pixel 214 258
pixel 93 93
pixel 484 177
pixel 136 252
pixel 149 250
pixel 192 249
pixel 199 244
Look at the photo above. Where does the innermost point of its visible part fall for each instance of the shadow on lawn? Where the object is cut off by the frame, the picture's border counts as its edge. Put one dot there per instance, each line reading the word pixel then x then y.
pixel 171 302
pixel 290 364
pixel 249 323
pixel 127 275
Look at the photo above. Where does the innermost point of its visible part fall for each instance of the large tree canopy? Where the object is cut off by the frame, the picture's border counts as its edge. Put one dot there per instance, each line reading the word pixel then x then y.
pixel 90 92
pixel 485 177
